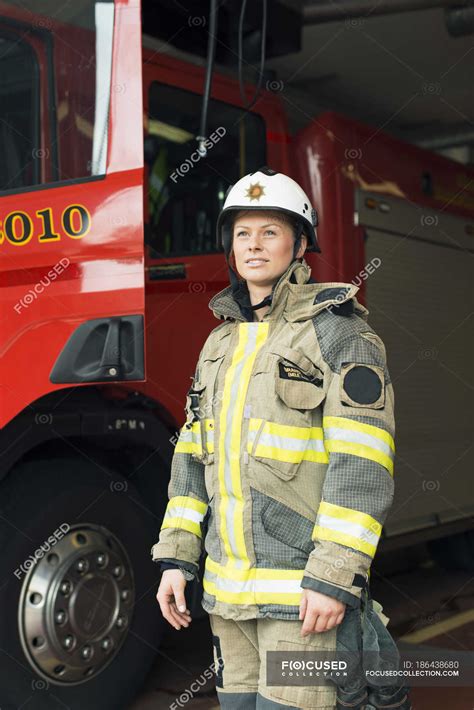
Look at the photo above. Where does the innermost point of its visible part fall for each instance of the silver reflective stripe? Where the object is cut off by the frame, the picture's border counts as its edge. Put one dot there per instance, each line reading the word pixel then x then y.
pixel 286 442
pixel 181 511
pixel 358 437
pixel 345 526
pixel 276 586
pixel 190 435
pixel 250 346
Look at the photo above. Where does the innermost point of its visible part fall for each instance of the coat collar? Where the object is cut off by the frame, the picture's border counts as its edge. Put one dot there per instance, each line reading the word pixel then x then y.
pixel 295 297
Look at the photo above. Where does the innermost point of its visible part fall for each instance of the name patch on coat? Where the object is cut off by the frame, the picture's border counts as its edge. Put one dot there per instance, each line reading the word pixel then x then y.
pixel 291 372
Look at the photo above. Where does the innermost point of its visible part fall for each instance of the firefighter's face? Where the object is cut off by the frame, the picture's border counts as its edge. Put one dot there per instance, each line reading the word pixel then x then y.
pixel 263 246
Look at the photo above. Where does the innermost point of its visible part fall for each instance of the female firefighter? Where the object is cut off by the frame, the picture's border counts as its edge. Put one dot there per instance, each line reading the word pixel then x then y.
pixel 285 461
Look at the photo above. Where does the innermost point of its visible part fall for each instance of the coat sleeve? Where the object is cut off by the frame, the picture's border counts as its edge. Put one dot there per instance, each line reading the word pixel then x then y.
pixel 180 538
pixel 358 429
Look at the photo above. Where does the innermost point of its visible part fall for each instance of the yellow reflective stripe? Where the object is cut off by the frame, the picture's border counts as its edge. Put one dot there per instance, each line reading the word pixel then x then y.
pixel 242 574
pixel 287 456
pixel 232 504
pixel 182 524
pixel 354 516
pixel 185 513
pixel 252 586
pixel 355 543
pixel 344 423
pixel 290 444
pixel 188 447
pixel 188 502
pixel 347 436
pixel 189 440
pixel 365 452
pixel 230 458
pixel 347 526
pixel 256 597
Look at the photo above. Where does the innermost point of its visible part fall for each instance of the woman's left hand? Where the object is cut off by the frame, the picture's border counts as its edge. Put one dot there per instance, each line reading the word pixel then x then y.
pixel 319 612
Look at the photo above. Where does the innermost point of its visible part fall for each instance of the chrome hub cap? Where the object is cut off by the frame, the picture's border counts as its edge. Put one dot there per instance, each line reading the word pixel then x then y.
pixel 76 604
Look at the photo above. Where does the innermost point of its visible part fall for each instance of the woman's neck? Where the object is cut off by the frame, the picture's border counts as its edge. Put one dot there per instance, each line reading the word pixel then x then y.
pixel 257 294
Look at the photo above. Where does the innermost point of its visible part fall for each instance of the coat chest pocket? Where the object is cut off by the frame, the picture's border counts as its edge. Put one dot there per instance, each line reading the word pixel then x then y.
pixel 289 388
pixel 301 395
pixel 281 449
pixel 298 382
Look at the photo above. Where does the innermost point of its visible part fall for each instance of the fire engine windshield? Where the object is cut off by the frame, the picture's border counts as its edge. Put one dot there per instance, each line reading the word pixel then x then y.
pixel 186 191
pixel 55 83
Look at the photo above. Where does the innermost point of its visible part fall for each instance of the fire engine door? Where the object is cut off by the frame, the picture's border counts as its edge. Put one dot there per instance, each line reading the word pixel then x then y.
pixel 71 197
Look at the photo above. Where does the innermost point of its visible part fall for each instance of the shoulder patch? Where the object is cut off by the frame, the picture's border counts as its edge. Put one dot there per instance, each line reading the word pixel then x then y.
pixel 362 385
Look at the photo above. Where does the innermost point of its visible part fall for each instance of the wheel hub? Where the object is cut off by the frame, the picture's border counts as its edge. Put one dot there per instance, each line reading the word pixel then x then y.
pixel 76 605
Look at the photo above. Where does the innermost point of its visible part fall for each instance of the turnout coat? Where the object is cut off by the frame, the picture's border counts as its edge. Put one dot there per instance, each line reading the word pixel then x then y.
pixel 283 470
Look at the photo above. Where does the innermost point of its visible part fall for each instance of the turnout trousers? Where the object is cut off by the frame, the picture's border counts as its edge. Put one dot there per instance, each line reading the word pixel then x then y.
pixel 240 650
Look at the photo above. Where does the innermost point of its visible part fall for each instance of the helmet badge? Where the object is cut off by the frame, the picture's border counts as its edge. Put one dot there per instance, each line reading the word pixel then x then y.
pixel 255 191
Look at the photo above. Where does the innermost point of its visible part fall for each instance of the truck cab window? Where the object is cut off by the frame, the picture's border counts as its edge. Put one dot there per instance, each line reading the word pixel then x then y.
pixel 19 114
pixel 55 84
pixel 186 192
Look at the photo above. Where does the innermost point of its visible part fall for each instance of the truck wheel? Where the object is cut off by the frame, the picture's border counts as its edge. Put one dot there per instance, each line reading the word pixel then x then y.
pixel 80 625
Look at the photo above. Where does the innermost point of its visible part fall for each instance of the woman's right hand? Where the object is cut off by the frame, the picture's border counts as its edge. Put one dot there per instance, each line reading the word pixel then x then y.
pixel 171 598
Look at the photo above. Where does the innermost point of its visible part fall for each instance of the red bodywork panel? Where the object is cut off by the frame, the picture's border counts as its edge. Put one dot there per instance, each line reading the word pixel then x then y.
pixel 335 155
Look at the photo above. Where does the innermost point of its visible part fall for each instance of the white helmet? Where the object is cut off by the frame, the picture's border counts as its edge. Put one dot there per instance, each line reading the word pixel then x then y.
pixel 266 189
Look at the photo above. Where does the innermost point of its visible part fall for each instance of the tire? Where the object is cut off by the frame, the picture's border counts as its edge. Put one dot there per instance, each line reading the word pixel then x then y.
pixel 36 499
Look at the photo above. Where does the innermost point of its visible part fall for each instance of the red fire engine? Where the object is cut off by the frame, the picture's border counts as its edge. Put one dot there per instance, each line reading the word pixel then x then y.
pixel 108 261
